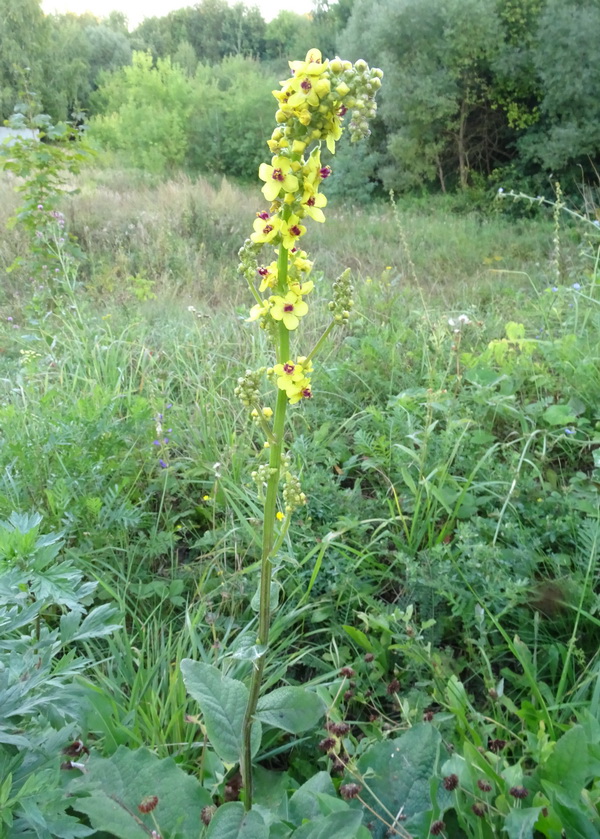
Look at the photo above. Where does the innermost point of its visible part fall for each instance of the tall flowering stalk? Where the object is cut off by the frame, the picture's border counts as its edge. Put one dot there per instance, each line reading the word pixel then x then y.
pixel 312 105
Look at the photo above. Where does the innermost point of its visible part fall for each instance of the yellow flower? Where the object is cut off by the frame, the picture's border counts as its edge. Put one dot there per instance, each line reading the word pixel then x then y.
pixel 313 64
pixel 288 309
pixel 267 412
pixel 277 177
pixel 302 390
pixel 265 229
pixel 290 231
pixel 302 288
pixel 288 374
pixel 279 515
pixel 259 310
pixel 312 206
pixel 268 276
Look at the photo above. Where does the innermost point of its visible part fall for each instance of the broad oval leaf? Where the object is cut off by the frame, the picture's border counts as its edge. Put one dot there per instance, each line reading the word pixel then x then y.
pixel 223 704
pixel 292 709
pixel 231 821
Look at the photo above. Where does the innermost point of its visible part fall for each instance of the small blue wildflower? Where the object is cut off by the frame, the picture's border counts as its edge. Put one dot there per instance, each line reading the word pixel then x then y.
pixel 166 440
pixel 576 286
pixel 500 190
pixel 162 464
pixel 170 405
pixel 554 288
pixel 570 431
pixel 596 223
pixel 156 442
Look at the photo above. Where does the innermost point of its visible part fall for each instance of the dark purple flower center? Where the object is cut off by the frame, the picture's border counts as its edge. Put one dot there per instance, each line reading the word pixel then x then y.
pixel 267 228
pixel 307 393
pixel 288 307
pixel 264 215
pixel 263 271
pixel 295 230
pixel 278 175
pixel 306 85
pixel 289 368
pixel 325 172
pixel 342 111
pixel 311 201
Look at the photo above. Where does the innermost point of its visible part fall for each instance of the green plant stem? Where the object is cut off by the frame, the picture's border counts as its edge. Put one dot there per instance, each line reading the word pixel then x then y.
pixel 320 342
pixel 268 542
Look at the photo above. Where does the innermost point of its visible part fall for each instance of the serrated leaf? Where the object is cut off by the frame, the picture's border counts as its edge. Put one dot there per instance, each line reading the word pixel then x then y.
pixel 231 821
pixel 292 709
pixel 223 704
pixel 95 624
pixel 343 825
pixel 125 779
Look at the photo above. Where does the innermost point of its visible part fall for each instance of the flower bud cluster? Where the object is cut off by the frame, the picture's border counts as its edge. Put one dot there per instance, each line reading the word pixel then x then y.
pixel 293 497
pixel 342 302
pixel 248 387
pixel 261 475
pixel 248 260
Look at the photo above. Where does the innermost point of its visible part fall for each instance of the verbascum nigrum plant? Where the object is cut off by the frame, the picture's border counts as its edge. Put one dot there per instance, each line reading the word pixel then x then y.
pixel 312 107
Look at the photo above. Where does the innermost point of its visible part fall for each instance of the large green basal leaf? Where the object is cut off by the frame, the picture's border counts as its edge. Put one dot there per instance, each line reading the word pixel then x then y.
pixel 115 787
pixel 399 772
pixel 231 821
pixel 223 704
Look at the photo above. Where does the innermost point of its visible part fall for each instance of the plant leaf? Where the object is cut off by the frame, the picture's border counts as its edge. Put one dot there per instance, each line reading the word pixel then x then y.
pixel 292 709
pixel 231 821
pixel 223 704
pixel 343 825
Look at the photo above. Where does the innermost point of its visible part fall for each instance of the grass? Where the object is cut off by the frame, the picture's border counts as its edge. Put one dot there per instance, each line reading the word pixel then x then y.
pixel 451 471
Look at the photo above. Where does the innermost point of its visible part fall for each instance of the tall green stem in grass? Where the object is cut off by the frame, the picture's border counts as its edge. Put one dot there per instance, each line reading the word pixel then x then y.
pixel 268 540
pixel 312 104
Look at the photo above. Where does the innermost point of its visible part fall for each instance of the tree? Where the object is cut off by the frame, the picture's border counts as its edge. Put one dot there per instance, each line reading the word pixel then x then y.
pixel 566 59
pixel 144 113
pixel 436 103
pixel 23 38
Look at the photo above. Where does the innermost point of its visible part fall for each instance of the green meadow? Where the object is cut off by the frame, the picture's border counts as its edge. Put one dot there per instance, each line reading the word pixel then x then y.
pixel 442 575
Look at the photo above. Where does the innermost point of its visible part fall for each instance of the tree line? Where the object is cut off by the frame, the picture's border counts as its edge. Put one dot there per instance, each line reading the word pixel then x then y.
pixel 476 93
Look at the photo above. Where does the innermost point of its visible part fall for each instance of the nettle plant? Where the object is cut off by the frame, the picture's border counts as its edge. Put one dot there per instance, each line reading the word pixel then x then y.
pixel 312 107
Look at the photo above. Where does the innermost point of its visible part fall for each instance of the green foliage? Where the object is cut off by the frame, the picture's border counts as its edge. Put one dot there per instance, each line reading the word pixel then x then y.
pixel 42 618
pixel 113 792
pixel 146 110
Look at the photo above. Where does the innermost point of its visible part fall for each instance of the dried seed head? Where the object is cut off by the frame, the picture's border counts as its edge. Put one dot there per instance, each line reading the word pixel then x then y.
pixel 496 745
pixel 348 672
pixel 484 786
pixel 479 809
pixel 437 827
pixel 148 803
pixel 348 791
pixel 519 792
pixel 207 813
pixel 327 743
pixel 450 782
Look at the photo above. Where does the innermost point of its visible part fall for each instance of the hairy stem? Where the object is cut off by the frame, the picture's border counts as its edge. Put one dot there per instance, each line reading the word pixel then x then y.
pixel 264 614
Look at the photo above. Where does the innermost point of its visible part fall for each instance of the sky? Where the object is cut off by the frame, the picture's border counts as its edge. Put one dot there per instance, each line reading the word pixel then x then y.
pixel 136 10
